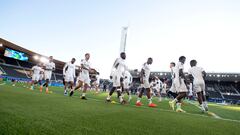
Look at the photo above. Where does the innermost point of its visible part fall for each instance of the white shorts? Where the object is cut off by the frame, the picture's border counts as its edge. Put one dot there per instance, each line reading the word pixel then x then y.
pixel 84 78
pixel 35 77
pixel 117 80
pixel 199 87
pixel 126 85
pixel 69 78
pixel 179 85
pixel 47 75
pixel 173 88
pixel 146 83
pixel 164 91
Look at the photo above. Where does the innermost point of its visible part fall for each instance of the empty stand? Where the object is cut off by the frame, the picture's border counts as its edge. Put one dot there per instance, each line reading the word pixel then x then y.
pixel 14 71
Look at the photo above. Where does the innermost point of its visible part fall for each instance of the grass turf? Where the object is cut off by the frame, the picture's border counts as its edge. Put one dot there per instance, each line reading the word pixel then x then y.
pixel 30 112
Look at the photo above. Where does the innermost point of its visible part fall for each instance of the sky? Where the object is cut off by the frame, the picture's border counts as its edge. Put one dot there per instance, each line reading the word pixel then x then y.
pixel 205 30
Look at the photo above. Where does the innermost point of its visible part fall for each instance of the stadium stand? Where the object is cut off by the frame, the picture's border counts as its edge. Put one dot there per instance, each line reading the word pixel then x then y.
pixel 14 71
pixel 213 93
pixel 7 60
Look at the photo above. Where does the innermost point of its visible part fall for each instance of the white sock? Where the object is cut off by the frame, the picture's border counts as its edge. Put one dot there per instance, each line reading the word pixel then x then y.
pixel 83 94
pixel 150 100
pixel 109 97
pixel 120 98
pixel 205 104
pixel 202 107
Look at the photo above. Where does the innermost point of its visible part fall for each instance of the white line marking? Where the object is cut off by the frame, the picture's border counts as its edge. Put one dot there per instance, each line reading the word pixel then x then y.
pixel 209 113
pixel 217 117
pixel 2 83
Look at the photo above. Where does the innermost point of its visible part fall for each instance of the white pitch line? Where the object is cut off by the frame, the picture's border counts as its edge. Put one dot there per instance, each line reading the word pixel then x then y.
pixel 2 83
pixel 217 117
pixel 211 113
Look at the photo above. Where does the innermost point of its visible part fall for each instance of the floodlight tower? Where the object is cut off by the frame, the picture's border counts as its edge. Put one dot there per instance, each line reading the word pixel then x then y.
pixel 123 39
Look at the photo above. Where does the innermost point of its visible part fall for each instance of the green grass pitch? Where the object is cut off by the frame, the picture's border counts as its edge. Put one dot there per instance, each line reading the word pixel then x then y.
pixel 24 112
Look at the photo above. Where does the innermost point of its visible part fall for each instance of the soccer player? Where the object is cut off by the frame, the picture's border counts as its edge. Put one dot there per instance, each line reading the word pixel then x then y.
pixel 48 67
pixel 84 78
pixel 41 77
pixel 179 84
pixel 155 87
pixel 172 91
pixel 158 88
pixel 164 89
pixel 197 75
pixel 69 75
pixel 144 78
pixel 117 75
pixel 97 82
pixel 190 93
pixel 35 75
pixel 126 84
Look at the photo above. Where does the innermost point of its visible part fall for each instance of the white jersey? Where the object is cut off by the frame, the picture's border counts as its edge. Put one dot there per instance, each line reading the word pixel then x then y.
pixel 118 71
pixel 159 84
pixel 36 70
pixel 69 69
pixel 147 71
pixel 112 72
pixel 176 70
pixel 84 74
pixel 87 65
pixel 49 66
pixel 127 78
pixel 178 82
pixel 173 72
pixel 196 72
pixel 119 66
